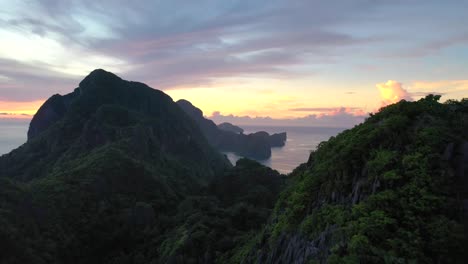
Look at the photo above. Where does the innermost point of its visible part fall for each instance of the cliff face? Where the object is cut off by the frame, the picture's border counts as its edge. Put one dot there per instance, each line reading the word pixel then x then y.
pixel 50 112
pixel 116 172
pixel 256 145
pixel 390 190
pixel 278 140
pixel 230 127
pixel 107 111
pixel 113 172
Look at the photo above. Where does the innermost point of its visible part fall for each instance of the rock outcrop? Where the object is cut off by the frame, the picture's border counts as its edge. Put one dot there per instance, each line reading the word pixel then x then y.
pixel 50 112
pixel 278 140
pixel 107 110
pixel 256 145
pixel 231 128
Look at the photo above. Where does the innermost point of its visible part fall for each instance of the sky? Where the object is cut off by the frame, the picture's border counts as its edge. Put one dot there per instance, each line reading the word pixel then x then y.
pixel 292 62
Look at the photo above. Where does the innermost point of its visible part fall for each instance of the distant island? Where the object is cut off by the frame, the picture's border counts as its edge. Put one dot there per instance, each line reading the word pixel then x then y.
pixel 117 172
pixel 231 128
pixel 229 138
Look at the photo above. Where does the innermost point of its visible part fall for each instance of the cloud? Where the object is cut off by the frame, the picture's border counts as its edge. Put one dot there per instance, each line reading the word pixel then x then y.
pixel 392 92
pixel 9 109
pixel 324 109
pixel 13 116
pixel 459 88
pixel 188 44
pixel 26 82
pixel 172 44
pixel 340 118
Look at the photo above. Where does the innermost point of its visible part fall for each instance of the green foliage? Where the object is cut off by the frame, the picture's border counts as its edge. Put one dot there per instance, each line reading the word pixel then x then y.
pixel 143 188
pixel 382 189
pixel 123 175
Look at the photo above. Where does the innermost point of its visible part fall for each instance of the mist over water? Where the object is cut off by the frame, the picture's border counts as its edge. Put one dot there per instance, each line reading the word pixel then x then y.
pixel 300 142
pixel 13 133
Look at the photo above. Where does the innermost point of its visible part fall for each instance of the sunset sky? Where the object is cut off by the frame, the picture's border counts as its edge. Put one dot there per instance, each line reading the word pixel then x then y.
pixel 317 62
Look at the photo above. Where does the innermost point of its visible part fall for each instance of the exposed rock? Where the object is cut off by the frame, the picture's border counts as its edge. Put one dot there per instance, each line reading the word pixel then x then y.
pixel 278 140
pixel 50 112
pixel 257 145
pixel 295 248
pixel 231 128
pixel 106 109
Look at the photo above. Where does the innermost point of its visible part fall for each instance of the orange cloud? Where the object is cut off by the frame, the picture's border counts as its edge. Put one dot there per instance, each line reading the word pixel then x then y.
pixel 392 92
pixel 12 109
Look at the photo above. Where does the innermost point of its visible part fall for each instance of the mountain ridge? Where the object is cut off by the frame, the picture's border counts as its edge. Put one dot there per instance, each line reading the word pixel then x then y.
pixel 119 173
pixel 255 145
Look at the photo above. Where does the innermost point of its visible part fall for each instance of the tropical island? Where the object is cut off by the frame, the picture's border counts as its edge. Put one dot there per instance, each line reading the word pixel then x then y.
pixel 117 172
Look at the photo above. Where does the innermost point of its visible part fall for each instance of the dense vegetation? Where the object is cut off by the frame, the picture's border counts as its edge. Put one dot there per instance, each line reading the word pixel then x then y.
pixel 116 172
pixel 387 191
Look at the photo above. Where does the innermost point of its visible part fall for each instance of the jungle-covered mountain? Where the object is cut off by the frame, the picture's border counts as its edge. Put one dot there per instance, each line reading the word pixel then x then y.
pixel 393 189
pixel 116 172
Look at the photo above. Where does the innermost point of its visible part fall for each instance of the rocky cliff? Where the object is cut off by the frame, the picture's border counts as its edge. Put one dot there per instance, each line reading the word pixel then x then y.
pixel 116 172
pixel 390 190
pixel 104 111
pixel 230 127
pixel 256 145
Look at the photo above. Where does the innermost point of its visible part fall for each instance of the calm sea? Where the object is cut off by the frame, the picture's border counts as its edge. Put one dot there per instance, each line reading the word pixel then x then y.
pixel 301 141
pixel 13 133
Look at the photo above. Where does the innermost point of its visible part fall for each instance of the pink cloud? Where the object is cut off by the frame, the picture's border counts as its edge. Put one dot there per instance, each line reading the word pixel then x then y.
pixel 341 117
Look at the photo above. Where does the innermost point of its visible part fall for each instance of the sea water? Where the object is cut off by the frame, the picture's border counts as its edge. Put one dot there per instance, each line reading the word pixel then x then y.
pixel 300 142
pixel 13 133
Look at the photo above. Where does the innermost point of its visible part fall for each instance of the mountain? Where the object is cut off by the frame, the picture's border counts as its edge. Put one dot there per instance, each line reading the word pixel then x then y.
pixel 109 174
pixel 391 190
pixel 256 145
pixel 230 127
pixel 116 172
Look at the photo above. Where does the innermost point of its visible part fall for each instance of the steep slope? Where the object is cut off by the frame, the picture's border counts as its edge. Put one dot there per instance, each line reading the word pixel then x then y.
pixel 256 145
pixel 391 190
pixel 230 127
pixel 107 111
pixel 102 173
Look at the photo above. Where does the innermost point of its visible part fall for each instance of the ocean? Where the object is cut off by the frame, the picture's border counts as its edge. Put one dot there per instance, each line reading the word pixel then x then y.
pixel 13 133
pixel 300 141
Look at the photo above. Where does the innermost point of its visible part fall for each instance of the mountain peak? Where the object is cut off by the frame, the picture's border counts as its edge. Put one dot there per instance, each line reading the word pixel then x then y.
pixel 97 78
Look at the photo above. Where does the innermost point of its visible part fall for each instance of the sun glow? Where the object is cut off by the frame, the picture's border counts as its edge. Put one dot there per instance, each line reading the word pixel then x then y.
pixel 19 109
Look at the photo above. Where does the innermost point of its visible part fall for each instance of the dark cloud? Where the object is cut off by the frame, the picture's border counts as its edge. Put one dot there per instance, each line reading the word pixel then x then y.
pixel 185 43
pixel 322 109
pixel 11 114
pixel 32 82
pixel 341 118
pixel 169 44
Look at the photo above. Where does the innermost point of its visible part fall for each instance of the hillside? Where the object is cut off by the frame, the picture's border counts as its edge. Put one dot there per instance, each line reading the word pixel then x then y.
pixel 110 174
pixel 391 190
pixel 116 172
